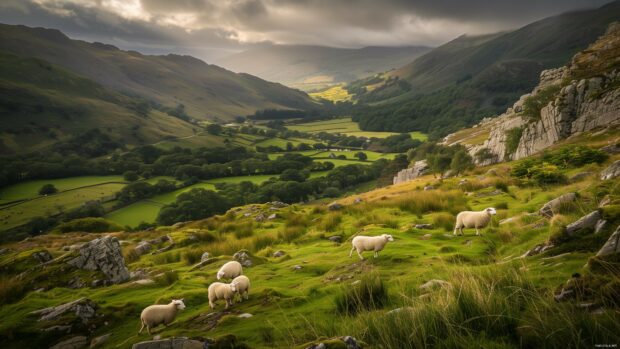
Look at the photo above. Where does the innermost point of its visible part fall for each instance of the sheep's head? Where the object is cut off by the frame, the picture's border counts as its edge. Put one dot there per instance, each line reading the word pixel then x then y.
pixel 220 274
pixel 179 303
pixel 388 237
pixel 233 287
pixel 491 211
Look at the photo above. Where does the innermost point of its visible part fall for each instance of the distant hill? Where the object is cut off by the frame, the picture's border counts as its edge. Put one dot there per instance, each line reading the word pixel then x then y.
pixel 207 91
pixel 308 67
pixel 459 83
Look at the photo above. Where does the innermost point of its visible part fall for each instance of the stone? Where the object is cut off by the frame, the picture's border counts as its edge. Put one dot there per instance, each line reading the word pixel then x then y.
pixel 588 221
pixel 423 226
pixel 247 214
pixel 426 237
pixel 244 258
pixel 98 341
pixel 277 204
pixel 611 149
pixel 606 201
pixel 144 282
pixel 538 249
pixel 600 225
pixel 351 342
pixel 357 200
pixel 77 342
pixel 272 216
pixel 205 256
pixel 612 171
pixel 259 217
pixel 434 283
pixel 508 220
pixel 138 274
pixel 418 169
pixel 164 249
pixel 170 343
pixel 279 254
pixel 83 308
pixel 334 206
pixel 42 256
pixel 143 247
pixel 552 207
pixel 335 238
pixel 612 245
pixel 59 328
pixel 76 283
pixel 103 254
pixel 245 315
pixel 297 267
pixel 429 187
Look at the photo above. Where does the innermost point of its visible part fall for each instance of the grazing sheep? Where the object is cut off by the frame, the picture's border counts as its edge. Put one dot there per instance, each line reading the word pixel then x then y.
pixel 154 315
pixel 220 290
pixel 473 219
pixel 230 270
pixel 242 283
pixel 369 243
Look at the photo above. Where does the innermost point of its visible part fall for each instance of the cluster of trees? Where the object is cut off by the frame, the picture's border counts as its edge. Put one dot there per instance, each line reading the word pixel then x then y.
pixel 398 143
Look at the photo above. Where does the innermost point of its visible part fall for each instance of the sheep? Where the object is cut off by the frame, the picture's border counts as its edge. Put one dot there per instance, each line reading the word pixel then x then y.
pixel 220 290
pixel 473 219
pixel 242 283
pixel 230 270
pixel 369 243
pixel 154 315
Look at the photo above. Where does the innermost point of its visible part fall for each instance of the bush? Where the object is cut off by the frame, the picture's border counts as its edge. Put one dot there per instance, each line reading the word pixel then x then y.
pixel 370 293
pixel 130 176
pixel 331 192
pixel 513 137
pixel 48 189
pixel 532 105
pixel 167 278
pixel 89 225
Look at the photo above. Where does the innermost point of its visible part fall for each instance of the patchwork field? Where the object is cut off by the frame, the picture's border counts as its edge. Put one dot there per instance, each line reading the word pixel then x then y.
pixel 347 127
pixel 334 94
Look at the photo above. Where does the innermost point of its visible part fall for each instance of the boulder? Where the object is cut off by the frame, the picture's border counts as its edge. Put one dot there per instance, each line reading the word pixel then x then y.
pixel 83 308
pixel 244 258
pixel 139 274
pixel 279 254
pixel 143 247
pixel 351 342
pixel 588 221
pixel 334 206
pixel 272 216
pixel 98 341
pixel 297 267
pixel 434 283
pixel 336 238
pixel 171 343
pixel 424 226
pixel 205 256
pixel 552 207
pixel 42 256
pixel 429 187
pixel 612 245
pixel 611 149
pixel 612 171
pixel 77 342
pixel 419 168
pixel 259 217
pixel 103 254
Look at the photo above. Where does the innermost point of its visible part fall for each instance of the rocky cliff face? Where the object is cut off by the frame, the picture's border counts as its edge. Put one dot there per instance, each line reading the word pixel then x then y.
pixel 588 99
pixel 419 168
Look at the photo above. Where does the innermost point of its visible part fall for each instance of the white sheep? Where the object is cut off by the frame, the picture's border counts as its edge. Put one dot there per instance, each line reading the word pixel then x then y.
pixel 242 283
pixel 230 270
pixel 473 219
pixel 369 243
pixel 155 315
pixel 220 290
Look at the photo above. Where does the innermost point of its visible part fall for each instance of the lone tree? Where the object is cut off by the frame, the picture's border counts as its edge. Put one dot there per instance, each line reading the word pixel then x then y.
pixel 361 156
pixel 214 129
pixel 48 189
pixel 130 176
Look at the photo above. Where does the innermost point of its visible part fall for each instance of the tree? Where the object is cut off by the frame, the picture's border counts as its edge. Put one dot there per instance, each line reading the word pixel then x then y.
pixel 130 176
pixel 292 175
pixel 361 156
pixel 48 189
pixel 461 161
pixel 192 205
pixel 214 129
pixel 289 146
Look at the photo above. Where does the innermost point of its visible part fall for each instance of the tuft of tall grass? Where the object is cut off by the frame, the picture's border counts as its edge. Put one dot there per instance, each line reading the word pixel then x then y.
pixel 291 233
pixel 370 293
pixel 167 257
pixel 192 256
pixel 330 221
pixel 231 245
pixel 12 289
pixel 422 202
pixel 167 278
pixel 131 256
pixel 444 220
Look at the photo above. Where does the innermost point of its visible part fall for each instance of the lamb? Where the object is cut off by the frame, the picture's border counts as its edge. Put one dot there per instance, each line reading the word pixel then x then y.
pixel 242 283
pixel 220 290
pixel 230 270
pixel 154 315
pixel 473 219
pixel 369 243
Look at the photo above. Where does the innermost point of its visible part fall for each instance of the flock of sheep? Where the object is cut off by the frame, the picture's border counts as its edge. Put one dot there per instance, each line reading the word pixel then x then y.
pixel 155 315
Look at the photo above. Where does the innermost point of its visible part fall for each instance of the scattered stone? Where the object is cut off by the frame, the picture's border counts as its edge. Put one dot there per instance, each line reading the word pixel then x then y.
pixel 245 315
pixel 77 342
pixel 605 202
pixel 538 249
pixel 58 328
pixel 612 245
pixel 272 216
pixel 103 254
pixel 205 256
pixel 143 247
pixel 429 187
pixel 157 337
pixel 434 283
pixel 612 171
pixel 552 207
pixel 143 282
pixel 600 225
pixel 164 249
pixel 357 200
pixel 297 267
pixel 259 217
pixel 588 221
pixel 334 206
pixel 579 176
pixel 426 237
pixel 351 342
pixel 162 238
pixel 83 308
pixel 508 220
pixel 98 341
pixel 247 214
pixel 277 204
pixel 336 238
pixel 463 182
pixel 423 226
pixel 138 274
pixel 611 149
pixel 279 254
pixel 98 283
pixel 244 258
pixel 171 343
pixel 42 256
pixel 274 209
pixel 564 295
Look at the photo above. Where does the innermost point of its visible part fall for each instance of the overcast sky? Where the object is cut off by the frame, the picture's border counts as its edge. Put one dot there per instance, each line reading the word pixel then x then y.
pixel 210 29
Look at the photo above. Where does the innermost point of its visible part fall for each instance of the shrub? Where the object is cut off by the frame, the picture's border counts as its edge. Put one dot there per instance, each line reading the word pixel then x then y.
pixel 89 225
pixel 130 176
pixel 192 256
pixel 532 105
pixel 331 192
pixel 370 293
pixel 502 185
pixel 513 137
pixel 444 220
pixel 48 189
pixel 167 278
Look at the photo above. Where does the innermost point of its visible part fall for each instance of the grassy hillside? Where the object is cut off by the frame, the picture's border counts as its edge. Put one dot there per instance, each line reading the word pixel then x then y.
pixel 486 296
pixel 437 93
pixel 347 127
pixel 206 91
pixel 312 67
pixel 42 103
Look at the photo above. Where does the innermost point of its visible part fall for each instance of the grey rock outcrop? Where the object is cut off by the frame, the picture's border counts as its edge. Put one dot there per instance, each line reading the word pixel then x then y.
pixel 588 221
pixel 612 245
pixel 552 207
pixel 143 247
pixel 244 258
pixel 170 343
pixel 103 254
pixel 77 342
pixel 418 169
pixel 42 256
pixel 612 171
pixel 83 309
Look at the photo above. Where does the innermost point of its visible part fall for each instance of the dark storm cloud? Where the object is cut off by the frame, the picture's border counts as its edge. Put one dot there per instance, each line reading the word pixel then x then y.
pixel 209 28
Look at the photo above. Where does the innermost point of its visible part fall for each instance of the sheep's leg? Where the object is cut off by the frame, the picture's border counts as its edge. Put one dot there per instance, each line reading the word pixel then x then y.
pixel 359 254
pixel 148 329
pixel 141 328
pixel 247 295
pixel 212 305
pixel 477 232
pixel 227 304
pixel 455 229
pixel 351 253
pixel 376 254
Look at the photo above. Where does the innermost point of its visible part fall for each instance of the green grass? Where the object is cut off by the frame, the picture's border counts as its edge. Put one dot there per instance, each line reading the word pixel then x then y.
pixel 347 127
pixel 281 142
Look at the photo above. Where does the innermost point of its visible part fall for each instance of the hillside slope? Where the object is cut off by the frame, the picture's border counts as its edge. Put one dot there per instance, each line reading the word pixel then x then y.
pixel 310 67
pixel 207 91
pixel 459 83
